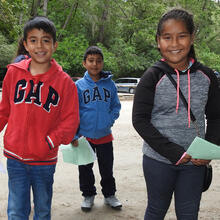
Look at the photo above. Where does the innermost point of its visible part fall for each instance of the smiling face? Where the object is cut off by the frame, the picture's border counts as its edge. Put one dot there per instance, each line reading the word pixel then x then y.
pixel 94 65
pixel 40 46
pixel 174 43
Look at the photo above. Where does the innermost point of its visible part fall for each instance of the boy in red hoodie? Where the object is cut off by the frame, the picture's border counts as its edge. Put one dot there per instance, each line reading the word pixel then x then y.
pixel 40 107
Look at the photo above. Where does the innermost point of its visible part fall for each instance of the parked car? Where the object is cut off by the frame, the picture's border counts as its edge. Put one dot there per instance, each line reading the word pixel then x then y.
pixel 127 84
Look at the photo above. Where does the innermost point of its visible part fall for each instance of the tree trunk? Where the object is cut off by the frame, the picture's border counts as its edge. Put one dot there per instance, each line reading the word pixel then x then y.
pixel 35 6
pixel 45 7
pixel 73 9
pixel 204 5
pixel 104 18
pixel 21 14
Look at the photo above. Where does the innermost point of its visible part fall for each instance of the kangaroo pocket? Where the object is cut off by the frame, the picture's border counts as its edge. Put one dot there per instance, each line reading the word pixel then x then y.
pixel 88 121
pixel 39 148
pixel 104 121
pixel 96 124
pixel 32 146
pixel 14 142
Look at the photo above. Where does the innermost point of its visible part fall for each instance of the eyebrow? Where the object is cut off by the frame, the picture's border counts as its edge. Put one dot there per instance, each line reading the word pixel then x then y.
pixel 46 36
pixel 184 32
pixel 93 58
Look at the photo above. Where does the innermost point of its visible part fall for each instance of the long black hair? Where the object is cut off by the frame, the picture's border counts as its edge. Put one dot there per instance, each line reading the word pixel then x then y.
pixel 179 14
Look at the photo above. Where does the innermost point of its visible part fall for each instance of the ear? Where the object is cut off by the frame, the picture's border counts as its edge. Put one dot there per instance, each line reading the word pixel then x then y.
pixel 25 45
pixel 55 46
pixel 84 63
pixel 158 42
pixel 192 38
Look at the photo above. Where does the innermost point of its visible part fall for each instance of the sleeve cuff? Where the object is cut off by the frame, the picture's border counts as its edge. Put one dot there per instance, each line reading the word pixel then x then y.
pixel 177 163
pixel 50 142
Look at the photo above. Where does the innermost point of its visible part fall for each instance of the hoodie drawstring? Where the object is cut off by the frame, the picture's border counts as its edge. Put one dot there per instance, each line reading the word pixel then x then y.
pixel 178 89
pixel 189 93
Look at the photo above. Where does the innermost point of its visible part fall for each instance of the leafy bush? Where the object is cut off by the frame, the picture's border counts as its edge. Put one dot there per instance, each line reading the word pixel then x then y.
pixel 70 52
pixel 7 51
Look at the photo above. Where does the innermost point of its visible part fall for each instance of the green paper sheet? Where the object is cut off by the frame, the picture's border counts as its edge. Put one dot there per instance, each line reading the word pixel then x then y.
pixel 202 149
pixel 81 155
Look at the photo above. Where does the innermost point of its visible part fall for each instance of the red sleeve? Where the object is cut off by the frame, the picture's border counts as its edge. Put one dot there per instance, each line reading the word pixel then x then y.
pixel 69 118
pixel 5 102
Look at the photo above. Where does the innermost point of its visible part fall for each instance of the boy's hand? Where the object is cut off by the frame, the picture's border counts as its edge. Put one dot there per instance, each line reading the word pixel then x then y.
pixel 75 143
pixel 200 162
pixel 185 159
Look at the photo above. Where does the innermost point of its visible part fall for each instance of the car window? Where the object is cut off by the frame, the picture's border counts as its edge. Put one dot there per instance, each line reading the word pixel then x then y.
pixel 118 81
pixel 134 81
pixel 126 80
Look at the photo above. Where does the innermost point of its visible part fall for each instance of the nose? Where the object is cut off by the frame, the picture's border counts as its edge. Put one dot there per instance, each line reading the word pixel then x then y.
pixel 39 43
pixel 95 62
pixel 175 41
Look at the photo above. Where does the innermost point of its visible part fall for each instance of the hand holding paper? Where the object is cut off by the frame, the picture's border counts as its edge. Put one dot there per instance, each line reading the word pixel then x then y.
pixel 81 155
pixel 202 149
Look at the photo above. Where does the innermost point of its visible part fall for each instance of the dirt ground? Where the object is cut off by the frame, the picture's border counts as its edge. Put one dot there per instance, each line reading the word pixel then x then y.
pixel 129 180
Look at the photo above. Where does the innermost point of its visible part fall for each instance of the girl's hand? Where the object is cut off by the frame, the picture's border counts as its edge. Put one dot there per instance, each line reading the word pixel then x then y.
pixel 185 159
pixel 75 143
pixel 200 162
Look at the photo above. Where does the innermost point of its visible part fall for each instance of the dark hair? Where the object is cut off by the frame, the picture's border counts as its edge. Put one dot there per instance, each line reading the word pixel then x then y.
pixel 93 50
pixel 178 14
pixel 40 22
pixel 21 49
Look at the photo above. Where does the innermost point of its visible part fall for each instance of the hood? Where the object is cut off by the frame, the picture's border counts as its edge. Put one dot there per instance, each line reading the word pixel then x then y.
pixel 104 75
pixel 164 67
pixel 24 65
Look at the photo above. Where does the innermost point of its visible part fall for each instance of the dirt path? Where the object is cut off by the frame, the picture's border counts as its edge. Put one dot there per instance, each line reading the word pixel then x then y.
pixel 129 179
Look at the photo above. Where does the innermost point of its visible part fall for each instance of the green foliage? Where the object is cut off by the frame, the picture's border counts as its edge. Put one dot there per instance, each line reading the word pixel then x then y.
pixel 110 61
pixel 127 59
pixel 208 57
pixel 7 51
pixel 9 11
pixel 70 52
pixel 124 29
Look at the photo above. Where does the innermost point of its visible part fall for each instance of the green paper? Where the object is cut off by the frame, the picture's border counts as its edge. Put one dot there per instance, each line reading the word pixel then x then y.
pixel 202 149
pixel 81 155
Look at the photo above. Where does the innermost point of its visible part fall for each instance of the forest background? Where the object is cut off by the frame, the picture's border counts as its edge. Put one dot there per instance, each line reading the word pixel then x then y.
pixel 124 29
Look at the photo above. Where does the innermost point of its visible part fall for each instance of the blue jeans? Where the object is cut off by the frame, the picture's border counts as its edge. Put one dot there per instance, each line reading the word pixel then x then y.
pixel 21 177
pixel 162 180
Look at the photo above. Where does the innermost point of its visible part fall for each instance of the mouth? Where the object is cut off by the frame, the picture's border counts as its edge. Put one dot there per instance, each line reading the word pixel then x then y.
pixel 40 53
pixel 175 51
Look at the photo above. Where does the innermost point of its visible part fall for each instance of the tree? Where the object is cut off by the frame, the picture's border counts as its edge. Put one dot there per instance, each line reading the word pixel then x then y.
pixel 124 29
pixel 70 54
pixel 72 11
pixel 35 6
pixel 7 51
pixel 45 7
